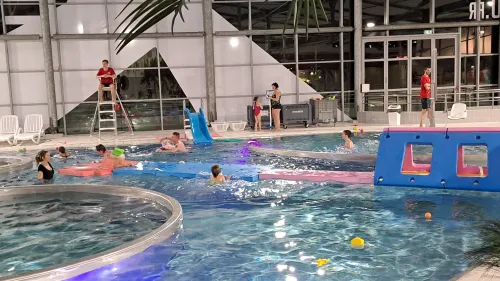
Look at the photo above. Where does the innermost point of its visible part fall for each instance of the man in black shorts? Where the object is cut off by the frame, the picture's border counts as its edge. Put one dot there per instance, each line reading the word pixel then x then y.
pixel 425 95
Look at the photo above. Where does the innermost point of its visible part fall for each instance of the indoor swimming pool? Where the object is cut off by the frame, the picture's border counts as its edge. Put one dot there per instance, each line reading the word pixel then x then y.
pixel 276 229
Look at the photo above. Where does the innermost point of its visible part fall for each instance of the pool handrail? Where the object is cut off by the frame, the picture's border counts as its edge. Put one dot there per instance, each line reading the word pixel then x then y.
pixel 74 268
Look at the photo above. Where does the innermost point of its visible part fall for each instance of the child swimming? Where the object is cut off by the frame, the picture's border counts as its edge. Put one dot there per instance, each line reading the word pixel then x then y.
pixel 217 175
pixel 346 136
pixel 62 152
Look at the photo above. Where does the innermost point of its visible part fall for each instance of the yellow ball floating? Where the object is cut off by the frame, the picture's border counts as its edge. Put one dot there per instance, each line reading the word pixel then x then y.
pixel 322 262
pixel 357 243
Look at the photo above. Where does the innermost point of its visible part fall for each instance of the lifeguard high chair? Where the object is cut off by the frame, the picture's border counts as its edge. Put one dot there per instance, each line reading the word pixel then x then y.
pixel 105 112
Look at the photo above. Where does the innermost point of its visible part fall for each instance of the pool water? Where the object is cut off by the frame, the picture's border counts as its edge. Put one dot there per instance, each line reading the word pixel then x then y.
pixel 41 230
pixel 276 230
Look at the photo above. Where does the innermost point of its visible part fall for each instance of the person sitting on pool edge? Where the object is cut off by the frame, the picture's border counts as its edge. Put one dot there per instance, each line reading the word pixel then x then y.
pixel 217 175
pixel 346 136
pixel 45 169
pixel 178 144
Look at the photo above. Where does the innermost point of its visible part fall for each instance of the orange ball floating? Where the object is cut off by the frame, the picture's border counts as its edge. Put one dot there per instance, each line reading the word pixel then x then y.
pixel 428 216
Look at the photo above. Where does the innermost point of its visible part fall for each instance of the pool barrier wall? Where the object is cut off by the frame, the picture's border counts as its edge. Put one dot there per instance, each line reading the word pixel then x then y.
pixel 87 264
pixel 446 168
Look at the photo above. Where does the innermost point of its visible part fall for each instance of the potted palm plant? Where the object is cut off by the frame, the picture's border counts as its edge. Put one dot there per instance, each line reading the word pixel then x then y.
pixel 487 254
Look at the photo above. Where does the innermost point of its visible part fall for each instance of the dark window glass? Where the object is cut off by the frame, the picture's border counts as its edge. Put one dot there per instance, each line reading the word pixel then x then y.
pixel 421 48
pixel 144 116
pixel 398 74
pixel 488 71
pixel 452 11
pixel 374 74
pixel 270 15
pixel 319 47
pixel 445 72
pixel 173 115
pixel 407 12
pixel 138 84
pixel 348 46
pixel 374 50
pixel 322 77
pixel 468 41
pixel 398 49
pixel 280 47
pixel 348 76
pixel 468 74
pixel 236 13
pixel 373 11
pixel 488 42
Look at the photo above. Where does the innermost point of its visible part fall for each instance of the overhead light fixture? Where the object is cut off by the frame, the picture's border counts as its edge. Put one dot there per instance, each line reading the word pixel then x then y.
pixel 234 42
pixel 482 32
pixel 370 24
pixel 490 3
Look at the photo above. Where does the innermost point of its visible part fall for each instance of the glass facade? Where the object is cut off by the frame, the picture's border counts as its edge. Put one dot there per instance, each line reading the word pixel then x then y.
pixel 153 81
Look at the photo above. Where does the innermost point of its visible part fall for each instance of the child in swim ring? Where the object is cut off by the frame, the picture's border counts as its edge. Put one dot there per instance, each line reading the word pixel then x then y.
pixel 217 175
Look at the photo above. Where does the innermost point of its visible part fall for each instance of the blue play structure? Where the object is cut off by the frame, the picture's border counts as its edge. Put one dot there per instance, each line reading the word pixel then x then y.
pixel 395 164
pixel 191 170
pixel 199 127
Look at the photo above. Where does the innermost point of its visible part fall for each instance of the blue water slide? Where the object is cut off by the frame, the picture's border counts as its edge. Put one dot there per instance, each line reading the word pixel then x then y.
pixel 199 127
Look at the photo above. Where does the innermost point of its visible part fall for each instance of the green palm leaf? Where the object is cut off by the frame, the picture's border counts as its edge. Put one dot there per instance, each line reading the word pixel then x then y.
pixel 150 12
pixel 488 253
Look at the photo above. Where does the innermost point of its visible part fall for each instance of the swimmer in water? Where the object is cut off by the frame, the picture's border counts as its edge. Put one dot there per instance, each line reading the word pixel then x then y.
pixel 118 156
pixel 63 153
pixel 101 150
pixel 178 144
pixel 217 175
pixel 346 136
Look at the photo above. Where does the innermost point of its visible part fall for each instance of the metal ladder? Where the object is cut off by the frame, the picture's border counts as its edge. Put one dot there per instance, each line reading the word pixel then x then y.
pixel 109 119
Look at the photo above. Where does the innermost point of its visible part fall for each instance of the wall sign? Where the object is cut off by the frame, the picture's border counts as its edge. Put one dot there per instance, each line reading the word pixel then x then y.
pixel 484 10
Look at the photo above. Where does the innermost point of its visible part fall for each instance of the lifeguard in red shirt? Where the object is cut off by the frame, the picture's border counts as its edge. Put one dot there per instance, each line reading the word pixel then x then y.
pixel 425 94
pixel 106 76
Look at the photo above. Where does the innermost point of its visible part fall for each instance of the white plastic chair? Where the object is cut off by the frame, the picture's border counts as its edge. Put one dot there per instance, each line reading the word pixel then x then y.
pixel 33 129
pixel 458 111
pixel 9 128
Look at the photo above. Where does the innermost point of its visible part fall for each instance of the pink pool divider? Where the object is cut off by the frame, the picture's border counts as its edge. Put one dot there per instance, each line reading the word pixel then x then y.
pixel 318 176
pixel 416 130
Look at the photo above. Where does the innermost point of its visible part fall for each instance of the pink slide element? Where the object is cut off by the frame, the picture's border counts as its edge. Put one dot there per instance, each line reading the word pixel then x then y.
pixel 91 169
pixel 410 167
pixel 415 130
pixel 475 130
pixel 305 175
pixel 464 170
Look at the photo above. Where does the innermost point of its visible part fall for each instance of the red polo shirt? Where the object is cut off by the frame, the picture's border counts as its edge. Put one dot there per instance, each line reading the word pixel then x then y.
pixel 424 93
pixel 106 80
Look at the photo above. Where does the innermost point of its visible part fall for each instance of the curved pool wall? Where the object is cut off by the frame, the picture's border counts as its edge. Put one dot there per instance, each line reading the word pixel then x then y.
pixel 79 268
pixel 10 164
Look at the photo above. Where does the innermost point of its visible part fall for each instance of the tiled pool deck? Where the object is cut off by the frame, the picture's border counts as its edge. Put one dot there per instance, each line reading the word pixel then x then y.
pixel 50 142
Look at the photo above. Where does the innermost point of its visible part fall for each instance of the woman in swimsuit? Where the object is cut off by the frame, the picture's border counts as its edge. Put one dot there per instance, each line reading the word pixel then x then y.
pixel 276 106
pixel 45 169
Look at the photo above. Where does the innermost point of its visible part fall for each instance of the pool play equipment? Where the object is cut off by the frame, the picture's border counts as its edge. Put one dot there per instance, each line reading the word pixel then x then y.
pixel 91 169
pixel 368 159
pixel 104 265
pixel 448 166
pixel 317 176
pixel 199 128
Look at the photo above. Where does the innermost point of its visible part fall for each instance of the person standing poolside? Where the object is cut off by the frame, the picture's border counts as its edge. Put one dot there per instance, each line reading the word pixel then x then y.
pixel 257 107
pixel 425 95
pixel 276 106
